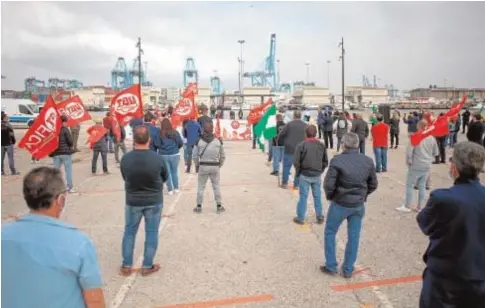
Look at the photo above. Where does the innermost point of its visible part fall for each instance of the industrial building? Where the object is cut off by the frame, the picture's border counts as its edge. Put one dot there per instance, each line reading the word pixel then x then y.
pixel 446 94
pixel 312 95
pixel 366 95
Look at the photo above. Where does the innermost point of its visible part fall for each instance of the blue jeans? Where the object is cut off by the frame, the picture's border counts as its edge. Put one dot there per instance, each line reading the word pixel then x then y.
pixel 270 150
pixel 65 160
pixel 277 157
pixel 339 143
pixel 287 163
pixel 418 178
pixel 335 216
pixel 315 183
pixel 171 163
pixel 110 143
pixel 362 146
pixel 451 139
pixel 186 152
pixel 133 215
pixel 381 159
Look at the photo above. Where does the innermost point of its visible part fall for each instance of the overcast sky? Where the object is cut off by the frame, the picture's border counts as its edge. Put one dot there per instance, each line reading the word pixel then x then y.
pixel 405 44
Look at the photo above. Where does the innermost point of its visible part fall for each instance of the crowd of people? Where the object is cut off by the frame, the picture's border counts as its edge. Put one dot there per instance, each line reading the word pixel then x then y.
pixel 453 218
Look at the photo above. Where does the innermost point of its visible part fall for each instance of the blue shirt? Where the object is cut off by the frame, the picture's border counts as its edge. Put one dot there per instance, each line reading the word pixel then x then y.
pixel 46 263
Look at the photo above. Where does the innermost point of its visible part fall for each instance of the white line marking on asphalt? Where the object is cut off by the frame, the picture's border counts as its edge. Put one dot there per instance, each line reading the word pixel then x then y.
pixel 130 280
pixel 376 290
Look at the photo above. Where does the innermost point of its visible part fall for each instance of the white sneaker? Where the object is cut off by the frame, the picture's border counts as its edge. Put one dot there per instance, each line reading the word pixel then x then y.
pixel 170 193
pixel 72 191
pixel 177 191
pixel 403 209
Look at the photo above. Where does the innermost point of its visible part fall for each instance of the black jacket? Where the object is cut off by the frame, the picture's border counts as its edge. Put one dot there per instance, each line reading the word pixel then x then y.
pixel 8 136
pixel 327 122
pixel 279 141
pixel 466 116
pixel 310 158
pixel 65 143
pixel 394 125
pixel 293 133
pixel 350 179
pixel 475 132
pixel 454 221
pixel 361 128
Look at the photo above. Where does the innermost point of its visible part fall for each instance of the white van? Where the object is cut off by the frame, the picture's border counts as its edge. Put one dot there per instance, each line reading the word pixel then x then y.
pixel 20 111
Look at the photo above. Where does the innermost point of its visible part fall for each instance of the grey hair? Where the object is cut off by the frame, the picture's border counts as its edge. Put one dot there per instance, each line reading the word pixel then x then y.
pixel 297 114
pixel 42 186
pixel 469 158
pixel 350 140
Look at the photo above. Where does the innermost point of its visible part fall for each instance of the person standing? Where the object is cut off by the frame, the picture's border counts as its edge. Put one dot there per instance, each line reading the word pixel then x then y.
pixel 191 132
pixel 476 129
pixel 451 128
pixel 293 133
pixel 341 128
pixel 361 128
pixel 411 120
pixel 350 179
pixel 419 160
pixel 327 129
pixel 394 123
pixel 240 114
pixel 320 117
pixel 144 173
pixel 204 117
pixel 63 154
pixel 8 142
pixel 75 136
pixel 453 219
pixel 120 144
pixel 209 157
pixel 310 160
pixel 466 119
pixel 380 142
pixel 170 143
pixel 154 131
pixel 457 129
pixel 278 145
pixel 100 147
pixel 441 141
pixel 48 262
pixel 108 124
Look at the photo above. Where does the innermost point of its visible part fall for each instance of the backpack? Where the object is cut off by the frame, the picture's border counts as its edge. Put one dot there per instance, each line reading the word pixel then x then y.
pixel 342 123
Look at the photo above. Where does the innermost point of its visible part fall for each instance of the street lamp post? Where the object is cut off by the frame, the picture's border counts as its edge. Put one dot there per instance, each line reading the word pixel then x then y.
pixel 328 74
pixel 307 72
pixel 341 45
pixel 241 79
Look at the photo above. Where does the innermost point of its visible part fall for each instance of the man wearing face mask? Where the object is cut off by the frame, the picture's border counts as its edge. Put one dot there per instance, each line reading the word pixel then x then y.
pixel 453 219
pixel 40 251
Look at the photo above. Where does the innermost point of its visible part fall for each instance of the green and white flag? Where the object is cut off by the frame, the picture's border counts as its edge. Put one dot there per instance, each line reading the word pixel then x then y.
pixel 266 127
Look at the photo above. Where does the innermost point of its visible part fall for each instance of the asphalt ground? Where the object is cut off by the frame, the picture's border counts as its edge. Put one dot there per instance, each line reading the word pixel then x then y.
pixel 253 255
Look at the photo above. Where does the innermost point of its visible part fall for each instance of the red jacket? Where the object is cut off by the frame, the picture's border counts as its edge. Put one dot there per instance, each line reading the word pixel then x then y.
pixel 107 123
pixel 380 135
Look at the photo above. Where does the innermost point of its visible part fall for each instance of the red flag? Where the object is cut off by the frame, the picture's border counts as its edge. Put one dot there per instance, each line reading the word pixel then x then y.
pixel 456 107
pixel 438 128
pixel 185 108
pixel 96 132
pixel 257 112
pixel 74 109
pixel 42 138
pixel 127 104
pixel 217 131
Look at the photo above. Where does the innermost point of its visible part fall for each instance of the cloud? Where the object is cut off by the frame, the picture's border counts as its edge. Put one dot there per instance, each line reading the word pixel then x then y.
pixel 402 43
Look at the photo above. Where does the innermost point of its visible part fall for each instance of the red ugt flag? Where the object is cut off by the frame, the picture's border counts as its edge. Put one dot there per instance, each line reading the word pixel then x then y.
pixel 42 138
pixel 127 104
pixel 95 132
pixel 74 109
pixel 185 108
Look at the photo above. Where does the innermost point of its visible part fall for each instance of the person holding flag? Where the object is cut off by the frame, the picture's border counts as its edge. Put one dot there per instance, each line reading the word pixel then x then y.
pixel 99 144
